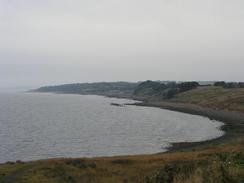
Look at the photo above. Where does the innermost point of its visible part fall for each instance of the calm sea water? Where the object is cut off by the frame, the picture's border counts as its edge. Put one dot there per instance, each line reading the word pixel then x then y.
pixel 38 126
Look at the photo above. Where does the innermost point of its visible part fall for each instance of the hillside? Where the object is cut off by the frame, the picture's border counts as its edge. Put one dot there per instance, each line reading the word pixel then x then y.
pixel 153 90
pixel 227 97
pixel 216 97
pixel 124 89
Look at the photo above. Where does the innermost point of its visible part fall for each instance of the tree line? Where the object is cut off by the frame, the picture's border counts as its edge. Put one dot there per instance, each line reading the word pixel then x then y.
pixel 163 90
pixel 229 84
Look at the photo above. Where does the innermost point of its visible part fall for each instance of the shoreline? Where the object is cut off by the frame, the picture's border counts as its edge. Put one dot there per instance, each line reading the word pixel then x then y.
pixel 233 123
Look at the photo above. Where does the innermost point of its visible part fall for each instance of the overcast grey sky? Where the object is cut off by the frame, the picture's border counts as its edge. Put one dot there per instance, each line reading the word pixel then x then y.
pixel 45 42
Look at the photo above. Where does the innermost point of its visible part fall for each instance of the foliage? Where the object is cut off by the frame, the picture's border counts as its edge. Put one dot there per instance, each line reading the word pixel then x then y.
pixel 90 88
pixel 215 97
pixel 229 84
pixel 163 90
pixel 219 164
pixel 219 170
pixel 220 83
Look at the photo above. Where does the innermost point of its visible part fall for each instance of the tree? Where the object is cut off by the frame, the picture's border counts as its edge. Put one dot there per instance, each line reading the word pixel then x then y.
pixel 220 83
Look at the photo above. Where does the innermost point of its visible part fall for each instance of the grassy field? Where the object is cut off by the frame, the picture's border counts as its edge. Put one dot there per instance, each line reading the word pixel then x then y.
pixel 216 161
pixel 214 97
pixel 223 163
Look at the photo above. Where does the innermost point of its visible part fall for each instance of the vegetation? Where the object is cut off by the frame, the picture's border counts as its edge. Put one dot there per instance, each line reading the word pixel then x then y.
pixel 218 169
pixel 123 89
pixel 215 97
pixel 229 84
pixel 102 88
pixel 162 90
pixel 220 164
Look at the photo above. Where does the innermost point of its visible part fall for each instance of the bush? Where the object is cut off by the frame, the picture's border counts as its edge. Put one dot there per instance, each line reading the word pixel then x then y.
pixel 232 85
pixel 220 83
pixel 185 86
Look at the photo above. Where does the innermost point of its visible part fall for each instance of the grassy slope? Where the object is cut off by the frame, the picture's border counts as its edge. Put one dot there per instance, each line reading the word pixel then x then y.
pixel 214 97
pixel 221 162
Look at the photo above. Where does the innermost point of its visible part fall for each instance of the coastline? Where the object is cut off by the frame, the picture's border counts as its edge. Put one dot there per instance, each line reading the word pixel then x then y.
pixel 233 123
pixel 182 159
pixel 233 120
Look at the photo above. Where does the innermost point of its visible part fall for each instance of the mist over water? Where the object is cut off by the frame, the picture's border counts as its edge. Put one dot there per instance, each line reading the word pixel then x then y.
pixel 39 126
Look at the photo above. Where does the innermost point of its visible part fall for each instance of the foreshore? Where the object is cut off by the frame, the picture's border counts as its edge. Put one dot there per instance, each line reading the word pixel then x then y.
pixel 233 122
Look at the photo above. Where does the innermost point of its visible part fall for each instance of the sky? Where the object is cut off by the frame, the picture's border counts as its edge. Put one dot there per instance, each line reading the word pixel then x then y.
pixel 48 42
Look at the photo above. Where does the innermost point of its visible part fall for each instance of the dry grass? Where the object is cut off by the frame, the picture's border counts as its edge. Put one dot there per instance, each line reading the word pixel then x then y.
pixel 214 97
pixel 189 167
